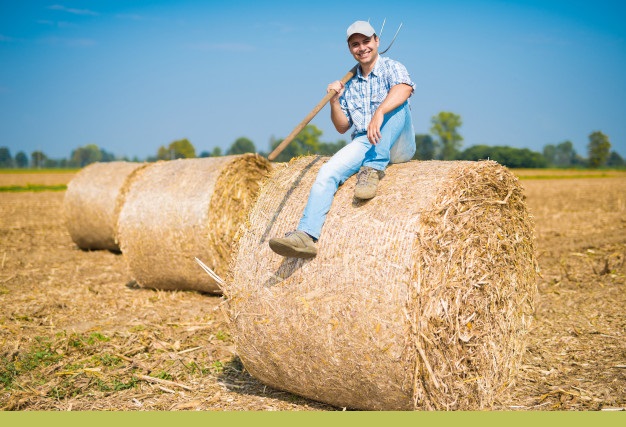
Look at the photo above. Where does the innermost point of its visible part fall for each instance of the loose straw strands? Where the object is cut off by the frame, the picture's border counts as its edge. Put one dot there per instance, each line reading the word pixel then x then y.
pixel 92 203
pixel 418 299
pixel 178 210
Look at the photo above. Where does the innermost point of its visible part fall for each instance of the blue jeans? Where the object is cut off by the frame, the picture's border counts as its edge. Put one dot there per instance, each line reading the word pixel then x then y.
pixel 397 145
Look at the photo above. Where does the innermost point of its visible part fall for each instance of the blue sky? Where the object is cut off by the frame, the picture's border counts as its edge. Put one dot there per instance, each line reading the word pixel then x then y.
pixel 131 76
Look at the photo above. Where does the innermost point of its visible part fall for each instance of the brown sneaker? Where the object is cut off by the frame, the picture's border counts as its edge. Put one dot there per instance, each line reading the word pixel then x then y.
pixel 296 244
pixel 367 182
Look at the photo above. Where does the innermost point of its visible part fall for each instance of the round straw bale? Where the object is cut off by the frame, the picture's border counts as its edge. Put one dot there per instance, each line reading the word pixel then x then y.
pixel 182 209
pixel 418 299
pixel 92 203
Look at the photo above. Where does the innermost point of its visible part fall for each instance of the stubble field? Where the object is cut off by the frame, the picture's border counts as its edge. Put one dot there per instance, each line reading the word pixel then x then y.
pixel 77 334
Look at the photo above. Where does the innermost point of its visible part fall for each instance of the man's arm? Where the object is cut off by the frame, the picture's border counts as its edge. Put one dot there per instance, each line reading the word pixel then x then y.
pixel 337 116
pixel 397 95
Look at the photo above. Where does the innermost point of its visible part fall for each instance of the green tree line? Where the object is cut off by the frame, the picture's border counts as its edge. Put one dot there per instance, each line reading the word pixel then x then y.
pixel 444 142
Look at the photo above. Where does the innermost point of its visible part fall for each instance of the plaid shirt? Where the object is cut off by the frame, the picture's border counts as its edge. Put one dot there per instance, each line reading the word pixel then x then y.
pixel 363 95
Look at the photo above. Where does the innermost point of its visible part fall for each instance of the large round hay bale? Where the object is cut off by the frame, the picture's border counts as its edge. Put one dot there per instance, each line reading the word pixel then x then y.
pixel 92 203
pixel 182 209
pixel 418 299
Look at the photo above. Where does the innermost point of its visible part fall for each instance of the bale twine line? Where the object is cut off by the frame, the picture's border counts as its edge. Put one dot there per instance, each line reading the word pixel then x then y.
pixel 420 298
pixel 93 200
pixel 178 210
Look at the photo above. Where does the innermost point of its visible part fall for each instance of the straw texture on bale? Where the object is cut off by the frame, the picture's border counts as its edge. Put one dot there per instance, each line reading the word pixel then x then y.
pixel 182 209
pixel 420 298
pixel 93 201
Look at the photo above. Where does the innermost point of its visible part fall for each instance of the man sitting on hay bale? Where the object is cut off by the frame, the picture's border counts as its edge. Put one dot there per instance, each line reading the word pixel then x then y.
pixel 376 102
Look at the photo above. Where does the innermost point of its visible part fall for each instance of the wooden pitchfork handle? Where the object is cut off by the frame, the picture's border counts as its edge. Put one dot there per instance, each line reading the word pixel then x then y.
pixel 309 117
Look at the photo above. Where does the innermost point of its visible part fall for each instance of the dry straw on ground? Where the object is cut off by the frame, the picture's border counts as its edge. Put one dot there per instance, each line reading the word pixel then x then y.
pixel 53 294
pixel 178 210
pixel 418 299
pixel 93 201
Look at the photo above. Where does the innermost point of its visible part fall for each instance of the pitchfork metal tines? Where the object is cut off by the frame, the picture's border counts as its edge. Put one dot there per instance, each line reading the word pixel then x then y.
pixel 394 37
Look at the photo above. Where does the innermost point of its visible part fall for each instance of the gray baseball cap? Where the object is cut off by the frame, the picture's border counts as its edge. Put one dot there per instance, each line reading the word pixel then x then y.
pixel 361 27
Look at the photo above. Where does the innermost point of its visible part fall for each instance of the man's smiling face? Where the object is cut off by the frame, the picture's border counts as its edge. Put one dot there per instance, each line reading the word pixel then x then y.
pixel 363 48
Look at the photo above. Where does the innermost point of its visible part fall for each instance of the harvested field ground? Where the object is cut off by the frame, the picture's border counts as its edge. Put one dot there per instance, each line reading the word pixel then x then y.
pixel 76 334
pixel 26 177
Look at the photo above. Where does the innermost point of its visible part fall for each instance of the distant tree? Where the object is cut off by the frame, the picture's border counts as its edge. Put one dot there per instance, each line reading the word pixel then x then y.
pixel 614 160
pixel 241 146
pixel 21 160
pixel 444 127
pixel 477 152
pixel 561 155
pixel 180 149
pixel 330 148
pixel 37 159
pixel 579 161
pixel 306 142
pixel 6 161
pixel 83 156
pixel 163 153
pixel 549 153
pixel 216 152
pixel 564 154
pixel 106 156
pixel 53 163
pixel 184 148
pixel 507 156
pixel 599 148
pixel 425 147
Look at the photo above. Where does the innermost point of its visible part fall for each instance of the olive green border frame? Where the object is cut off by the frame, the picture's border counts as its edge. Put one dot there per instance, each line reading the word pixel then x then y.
pixel 317 419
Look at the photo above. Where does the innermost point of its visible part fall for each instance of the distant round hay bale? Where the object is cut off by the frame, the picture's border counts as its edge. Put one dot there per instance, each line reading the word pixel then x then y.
pixel 93 200
pixel 182 209
pixel 418 299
